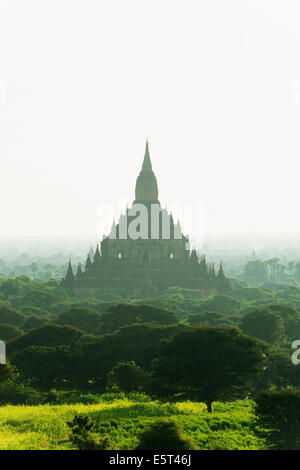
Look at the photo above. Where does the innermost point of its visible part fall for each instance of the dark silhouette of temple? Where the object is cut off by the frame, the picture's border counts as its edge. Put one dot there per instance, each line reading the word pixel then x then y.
pixel 145 252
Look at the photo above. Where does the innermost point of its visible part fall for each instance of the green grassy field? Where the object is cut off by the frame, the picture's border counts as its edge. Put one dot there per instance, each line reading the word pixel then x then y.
pixel 44 426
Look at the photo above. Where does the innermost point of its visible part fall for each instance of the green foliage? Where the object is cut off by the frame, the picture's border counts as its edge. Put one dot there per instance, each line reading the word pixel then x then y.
pixel 32 322
pixel 48 335
pixel 41 298
pixel 185 293
pixel 125 314
pixel 15 392
pixel 128 377
pixel 9 316
pixel 48 367
pixel 9 287
pixel 264 324
pixel 123 419
pixel 111 294
pixel 164 435
pixel 82 318
pixel 7 371
pixel 290 318
pixel 52 396
pixel 83 434
pixel 56 356
pixel 209 318
pixel 255 271
pixel 31 310
pixel 220 303
pixel 278 418
pixel 8 332
pixel 208 364
pixel 280 372
pixel 251 293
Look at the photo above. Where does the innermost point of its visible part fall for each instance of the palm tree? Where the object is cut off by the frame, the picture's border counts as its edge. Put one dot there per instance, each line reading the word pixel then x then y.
pixel 291 267
pixel 297 271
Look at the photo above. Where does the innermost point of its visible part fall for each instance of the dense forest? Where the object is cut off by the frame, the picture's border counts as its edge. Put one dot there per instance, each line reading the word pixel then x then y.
pixel 177 347
pixel 243 264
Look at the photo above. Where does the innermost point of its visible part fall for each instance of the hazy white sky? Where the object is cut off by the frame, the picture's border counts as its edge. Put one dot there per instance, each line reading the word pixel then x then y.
pixel 214 84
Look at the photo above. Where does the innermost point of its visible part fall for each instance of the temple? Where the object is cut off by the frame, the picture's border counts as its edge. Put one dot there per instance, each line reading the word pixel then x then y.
pixel 145 252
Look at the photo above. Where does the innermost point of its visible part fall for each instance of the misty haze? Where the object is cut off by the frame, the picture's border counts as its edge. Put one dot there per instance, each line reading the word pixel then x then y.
pixel 149 228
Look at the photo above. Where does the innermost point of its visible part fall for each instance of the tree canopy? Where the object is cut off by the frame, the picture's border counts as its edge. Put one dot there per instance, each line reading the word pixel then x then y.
pixel 208 364
pixel 125 314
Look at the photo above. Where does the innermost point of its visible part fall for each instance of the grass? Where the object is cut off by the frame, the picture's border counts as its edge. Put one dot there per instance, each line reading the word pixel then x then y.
pixel 44 426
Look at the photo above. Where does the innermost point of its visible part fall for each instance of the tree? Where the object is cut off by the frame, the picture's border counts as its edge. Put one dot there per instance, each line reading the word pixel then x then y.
pixel 255 271
pixel 251 293
pixel 264 324
pixel 34 267
pixel 42 297
pixel 207 364
pixel 164 435
pixel 290 318
pixel 31 310
pixel 278 418
pixel 272 263
pixel 128 377
pixel 48 335
pixel 10 287
pixel 291 268
pixel 125 314
pixel 209 318
pixel 279 371
pixel 224 304
pixel 32 322
pixel 297 271
pixel 9 316
pixel 48 367
pixel 17 392
pixel 139 343
pixel 56 356
pixel 8 332
pixel 82 318
pixel 6 372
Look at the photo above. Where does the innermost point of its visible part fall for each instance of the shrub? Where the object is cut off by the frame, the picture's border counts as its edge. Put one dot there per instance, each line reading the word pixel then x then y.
pixel 52 396
pixel 83 434
pixel 278 418
pixel 128 377
pixel 164 435
pixel 18 393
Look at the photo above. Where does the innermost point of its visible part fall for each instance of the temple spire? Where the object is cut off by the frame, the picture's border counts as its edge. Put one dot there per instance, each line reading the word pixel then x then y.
pixel 97 256
pixel 194 256
pixel 68 281
pixel 147 166
pixel 146 190
pixel 203 266
pixel 92 254
pixel 211 271
pixel 88 264
pixel 70 274
pixel 79 271
pixel 221 274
